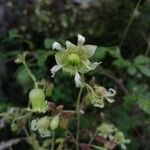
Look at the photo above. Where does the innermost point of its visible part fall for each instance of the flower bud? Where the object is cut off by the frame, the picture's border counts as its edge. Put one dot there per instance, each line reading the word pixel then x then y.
pixel 49 90
pixel 37 98
pixel 14 127
pixel 100 91
pixel 55 122
pixel 119 136
pixel 44 122
pixel 19 59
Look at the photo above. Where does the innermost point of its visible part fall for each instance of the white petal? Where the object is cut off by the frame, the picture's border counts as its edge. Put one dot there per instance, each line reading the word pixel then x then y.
pixel 81 39
pixel 95 64
pixel 57 46
pixel 34 125
pixel 110 100
pixel 55 69
pixel 69 44
pixel 90 50
pixel 123 146
pixel 77 80
pixel 111 92
pixel 91 66
pixel 99 105
pixel 44 133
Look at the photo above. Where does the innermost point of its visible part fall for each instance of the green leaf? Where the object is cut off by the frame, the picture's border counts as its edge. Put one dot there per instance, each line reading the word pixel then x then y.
pixel 114 51
pixel 144 104
pixel 48 43
pixel 141 60
pixel 122 63
pixel 145 70
pixel 100 53
pixel 14 33
pixel 132 70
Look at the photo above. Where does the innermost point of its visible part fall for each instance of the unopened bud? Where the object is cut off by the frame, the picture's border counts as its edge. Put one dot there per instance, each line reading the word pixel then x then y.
pixel 55 122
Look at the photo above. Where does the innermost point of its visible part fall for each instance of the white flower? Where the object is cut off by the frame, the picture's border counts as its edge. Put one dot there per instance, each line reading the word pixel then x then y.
pixel 74 59
pixel 42 126
pixel 98 95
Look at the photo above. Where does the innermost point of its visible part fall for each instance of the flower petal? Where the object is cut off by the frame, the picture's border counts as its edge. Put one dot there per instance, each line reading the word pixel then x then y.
pixel 111 92
pixel 81 39
pixel 61 58
pixel 55 69
pixel 44 133
pixel 89 66
pixel 57 46
pixel 110 100
pixel 69 44
pixel 34 125
pixel 94 65
pixel 77 80
pixel 90 50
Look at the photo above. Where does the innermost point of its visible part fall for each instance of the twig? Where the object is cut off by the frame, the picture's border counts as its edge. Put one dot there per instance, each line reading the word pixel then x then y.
pixel 118 81
pixel 129 24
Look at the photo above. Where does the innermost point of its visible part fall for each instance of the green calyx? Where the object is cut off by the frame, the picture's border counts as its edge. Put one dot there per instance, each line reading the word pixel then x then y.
pixel 74 59
pixel 44 122
pixel 119 136
pixel 37 98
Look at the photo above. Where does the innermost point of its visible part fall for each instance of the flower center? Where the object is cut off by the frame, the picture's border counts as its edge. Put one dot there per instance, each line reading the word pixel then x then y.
pixel 74 59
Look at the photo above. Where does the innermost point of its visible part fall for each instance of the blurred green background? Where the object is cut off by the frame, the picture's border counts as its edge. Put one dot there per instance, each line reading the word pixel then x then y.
pixel 119 28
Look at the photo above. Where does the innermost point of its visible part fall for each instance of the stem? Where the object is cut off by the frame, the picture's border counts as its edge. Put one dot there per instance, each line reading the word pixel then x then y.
pixel 130 22
pixel 32 76
pixel 26 132
pixel 78 117
pixel 53 140
pixel 93 137
pixel 97 147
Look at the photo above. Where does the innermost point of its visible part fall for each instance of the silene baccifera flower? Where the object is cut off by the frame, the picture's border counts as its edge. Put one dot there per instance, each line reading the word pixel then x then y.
pixel 74 59
pixel 98 94
pixel 45 125
pixel 106 129
pixel 37 100
pixel 121 140
pixel 110 132
pixel 42 126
